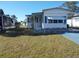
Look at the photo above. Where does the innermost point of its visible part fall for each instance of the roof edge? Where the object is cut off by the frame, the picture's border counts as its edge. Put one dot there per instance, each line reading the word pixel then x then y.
pixel 57 8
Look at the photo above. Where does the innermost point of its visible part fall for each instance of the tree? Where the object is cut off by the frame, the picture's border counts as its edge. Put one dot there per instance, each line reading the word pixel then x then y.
pixel 14 18
pixel 7 15
pixel 72 6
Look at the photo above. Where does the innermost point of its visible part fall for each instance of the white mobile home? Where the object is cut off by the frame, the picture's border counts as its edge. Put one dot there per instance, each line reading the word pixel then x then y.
pixel 49 20
pixel 55 18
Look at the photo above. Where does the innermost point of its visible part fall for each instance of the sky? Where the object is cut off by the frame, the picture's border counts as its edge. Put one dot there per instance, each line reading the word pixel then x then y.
pixel 22 8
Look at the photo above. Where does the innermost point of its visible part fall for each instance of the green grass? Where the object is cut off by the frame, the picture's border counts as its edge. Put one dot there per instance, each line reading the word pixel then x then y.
pixel 38 46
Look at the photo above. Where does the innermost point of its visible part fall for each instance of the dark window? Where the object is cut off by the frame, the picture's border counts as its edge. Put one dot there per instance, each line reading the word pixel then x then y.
pixel 45 19
pixel 28 20
pixel 55 21
pixel 60 21
pixel 50 21
pixel 65 21
pixel 36 19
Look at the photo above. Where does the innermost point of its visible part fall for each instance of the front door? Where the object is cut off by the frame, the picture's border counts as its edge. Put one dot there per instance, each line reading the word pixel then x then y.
pixel 37 24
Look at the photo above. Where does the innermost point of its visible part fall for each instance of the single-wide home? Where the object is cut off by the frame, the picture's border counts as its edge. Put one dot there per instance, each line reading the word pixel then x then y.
pixel 49 20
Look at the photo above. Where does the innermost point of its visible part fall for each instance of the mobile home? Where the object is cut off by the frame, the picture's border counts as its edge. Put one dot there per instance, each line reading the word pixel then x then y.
pixel 50 20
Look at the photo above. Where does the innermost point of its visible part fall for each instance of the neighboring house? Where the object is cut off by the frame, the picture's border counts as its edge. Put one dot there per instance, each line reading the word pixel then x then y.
pixel 49 20
pixel 1 17
pixel 6 21
pixel 74 21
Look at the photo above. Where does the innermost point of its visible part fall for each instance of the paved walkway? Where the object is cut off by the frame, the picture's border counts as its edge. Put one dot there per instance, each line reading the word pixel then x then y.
pixel 72 36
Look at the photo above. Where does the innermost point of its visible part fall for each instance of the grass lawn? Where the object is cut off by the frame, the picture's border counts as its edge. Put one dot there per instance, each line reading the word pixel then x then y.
pixel 37 46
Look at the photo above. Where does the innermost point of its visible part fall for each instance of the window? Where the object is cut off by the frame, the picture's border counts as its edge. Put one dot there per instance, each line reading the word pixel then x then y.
pixel 36 19
pixel 50 21
pixel 28 19
pixel 60 21
pixel 55 21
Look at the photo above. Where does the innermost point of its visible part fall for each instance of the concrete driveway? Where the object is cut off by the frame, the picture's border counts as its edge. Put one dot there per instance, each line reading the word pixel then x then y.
pixel 73 35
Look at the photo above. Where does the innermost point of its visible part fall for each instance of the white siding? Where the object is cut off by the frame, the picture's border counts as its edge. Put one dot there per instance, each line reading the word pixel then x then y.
pixel 55 12
pixel 37 26
pixel 53 26
pixel 69 22
pixel 28 25
pixel 75 22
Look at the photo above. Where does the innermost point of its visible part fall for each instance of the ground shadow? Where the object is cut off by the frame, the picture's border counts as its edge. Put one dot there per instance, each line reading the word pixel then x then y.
pixel 73 30
pixel 28 33
pixel 11 34
pixel 15 33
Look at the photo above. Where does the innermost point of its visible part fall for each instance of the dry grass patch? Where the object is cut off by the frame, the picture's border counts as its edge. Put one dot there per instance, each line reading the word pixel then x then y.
pixel 38 46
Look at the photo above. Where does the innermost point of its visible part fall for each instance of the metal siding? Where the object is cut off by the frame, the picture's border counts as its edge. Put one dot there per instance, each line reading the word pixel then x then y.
pixel 54 13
